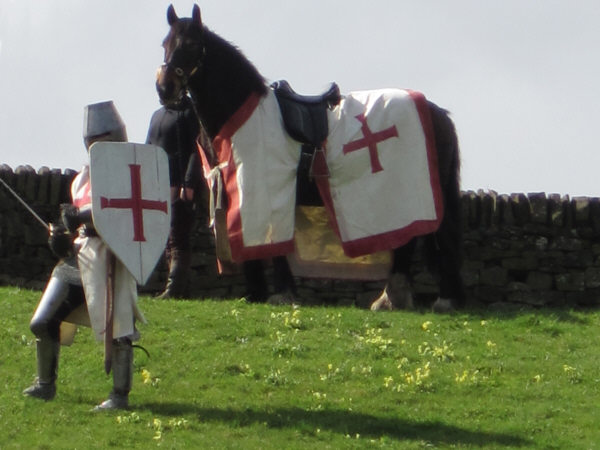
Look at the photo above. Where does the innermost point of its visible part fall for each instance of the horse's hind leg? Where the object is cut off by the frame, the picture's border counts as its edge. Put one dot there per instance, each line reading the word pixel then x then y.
pixel 283 283
pixel 257 286
pixel 448 262
pixel 448 238
pixel 447 259
pixel 283 280
pixel 397 292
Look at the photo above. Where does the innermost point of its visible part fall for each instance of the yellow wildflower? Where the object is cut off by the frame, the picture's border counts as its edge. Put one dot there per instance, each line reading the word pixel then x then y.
pixel 146 377
pixel 387 381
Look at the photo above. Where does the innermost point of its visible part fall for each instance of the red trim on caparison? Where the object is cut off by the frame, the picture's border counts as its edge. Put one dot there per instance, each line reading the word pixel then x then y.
pixel 432 156
pixel 222 146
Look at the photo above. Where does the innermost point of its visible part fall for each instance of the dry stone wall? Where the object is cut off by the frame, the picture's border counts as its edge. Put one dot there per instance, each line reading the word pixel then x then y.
pixel 534 249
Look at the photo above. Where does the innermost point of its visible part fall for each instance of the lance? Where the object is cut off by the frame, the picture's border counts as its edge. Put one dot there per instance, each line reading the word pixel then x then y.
pixel 27 207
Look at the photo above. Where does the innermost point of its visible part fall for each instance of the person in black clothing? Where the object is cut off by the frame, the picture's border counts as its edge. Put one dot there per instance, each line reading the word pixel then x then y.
pixel 175 129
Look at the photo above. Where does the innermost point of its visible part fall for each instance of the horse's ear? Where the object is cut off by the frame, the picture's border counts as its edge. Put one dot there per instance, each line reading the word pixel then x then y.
pixel 196 18
pixel 171 15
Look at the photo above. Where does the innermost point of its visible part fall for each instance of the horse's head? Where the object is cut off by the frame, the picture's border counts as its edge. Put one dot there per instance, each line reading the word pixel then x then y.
pixel 184 54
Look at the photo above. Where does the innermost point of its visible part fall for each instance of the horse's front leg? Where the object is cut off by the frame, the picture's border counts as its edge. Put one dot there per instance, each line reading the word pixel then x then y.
pixel 397 292
pixel 256 283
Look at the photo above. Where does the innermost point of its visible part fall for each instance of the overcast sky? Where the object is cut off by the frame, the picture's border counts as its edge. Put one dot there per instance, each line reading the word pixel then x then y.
pixel 520 77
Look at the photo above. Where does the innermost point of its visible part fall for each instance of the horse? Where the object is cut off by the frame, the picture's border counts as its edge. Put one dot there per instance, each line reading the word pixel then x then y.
pixel 220 80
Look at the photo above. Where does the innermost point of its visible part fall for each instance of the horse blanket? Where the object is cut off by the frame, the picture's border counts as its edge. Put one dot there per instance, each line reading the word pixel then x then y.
pixel 381 191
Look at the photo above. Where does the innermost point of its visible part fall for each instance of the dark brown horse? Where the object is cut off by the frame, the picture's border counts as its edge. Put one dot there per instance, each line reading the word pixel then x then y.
pixel 220 79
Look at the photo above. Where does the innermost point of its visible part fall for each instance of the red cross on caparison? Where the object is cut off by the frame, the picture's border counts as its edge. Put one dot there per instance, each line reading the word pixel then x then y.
pixel 370 140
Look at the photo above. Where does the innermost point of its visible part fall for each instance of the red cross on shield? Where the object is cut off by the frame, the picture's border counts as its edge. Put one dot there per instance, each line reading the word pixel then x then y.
pixel 130 202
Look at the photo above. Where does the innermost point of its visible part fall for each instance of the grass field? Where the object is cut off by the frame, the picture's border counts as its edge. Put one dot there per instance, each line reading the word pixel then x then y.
pixel 227 374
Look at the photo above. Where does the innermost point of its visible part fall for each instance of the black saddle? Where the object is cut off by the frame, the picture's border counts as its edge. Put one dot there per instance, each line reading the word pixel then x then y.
pixel 305 116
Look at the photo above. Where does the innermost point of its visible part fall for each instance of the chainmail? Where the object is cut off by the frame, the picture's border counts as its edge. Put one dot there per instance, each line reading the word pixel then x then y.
pixel 68 271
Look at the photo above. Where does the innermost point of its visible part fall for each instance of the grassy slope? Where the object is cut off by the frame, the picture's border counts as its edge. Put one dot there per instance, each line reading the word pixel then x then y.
pixel 226 374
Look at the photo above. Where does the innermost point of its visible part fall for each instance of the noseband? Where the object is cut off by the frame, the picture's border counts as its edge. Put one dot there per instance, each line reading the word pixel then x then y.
pixel 180 74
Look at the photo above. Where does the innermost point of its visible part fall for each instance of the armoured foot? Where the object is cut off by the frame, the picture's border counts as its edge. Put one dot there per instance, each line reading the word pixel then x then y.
pixel 122 368
pixel 442 306
pixel 113 402
pixel 43 391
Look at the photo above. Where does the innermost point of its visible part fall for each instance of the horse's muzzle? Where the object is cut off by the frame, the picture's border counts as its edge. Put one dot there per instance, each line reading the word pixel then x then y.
pixel 168 86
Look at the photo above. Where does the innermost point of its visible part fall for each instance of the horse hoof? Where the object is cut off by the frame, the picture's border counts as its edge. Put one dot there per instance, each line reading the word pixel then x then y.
pixel 382 303
pixel 442 306
pixel 285 298
pixel 407 301
pixel 396 295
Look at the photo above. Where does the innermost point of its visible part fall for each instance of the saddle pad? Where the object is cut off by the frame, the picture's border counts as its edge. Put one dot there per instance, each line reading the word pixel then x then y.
pixel 383 189
pixel 319 253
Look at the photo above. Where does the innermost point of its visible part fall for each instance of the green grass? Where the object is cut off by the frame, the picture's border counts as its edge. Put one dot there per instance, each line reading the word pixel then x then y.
pixel 226 374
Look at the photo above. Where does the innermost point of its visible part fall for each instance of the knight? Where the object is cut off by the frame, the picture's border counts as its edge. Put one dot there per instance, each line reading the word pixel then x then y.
pixel 76 291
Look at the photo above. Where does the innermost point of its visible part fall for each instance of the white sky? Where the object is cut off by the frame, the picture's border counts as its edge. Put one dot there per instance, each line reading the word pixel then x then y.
pixel 521 77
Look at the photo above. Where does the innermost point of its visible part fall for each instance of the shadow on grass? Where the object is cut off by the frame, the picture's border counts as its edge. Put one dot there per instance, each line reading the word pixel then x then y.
pixel 343 422
pixel 510 311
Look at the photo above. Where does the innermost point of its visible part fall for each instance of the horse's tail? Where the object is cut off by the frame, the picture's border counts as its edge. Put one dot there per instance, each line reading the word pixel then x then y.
pixel 449 163
pixel 444 248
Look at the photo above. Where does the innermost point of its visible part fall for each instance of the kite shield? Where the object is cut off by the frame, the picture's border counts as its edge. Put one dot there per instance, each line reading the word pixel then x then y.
pixel 130 202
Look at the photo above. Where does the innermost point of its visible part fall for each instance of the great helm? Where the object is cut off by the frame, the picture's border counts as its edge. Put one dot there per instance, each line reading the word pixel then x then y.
pixel 102 121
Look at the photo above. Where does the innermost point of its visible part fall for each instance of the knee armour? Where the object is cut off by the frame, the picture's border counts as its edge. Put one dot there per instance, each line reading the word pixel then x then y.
pixel 58 301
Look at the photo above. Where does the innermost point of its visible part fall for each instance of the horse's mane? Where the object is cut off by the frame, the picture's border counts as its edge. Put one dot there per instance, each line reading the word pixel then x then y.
pixel 226 80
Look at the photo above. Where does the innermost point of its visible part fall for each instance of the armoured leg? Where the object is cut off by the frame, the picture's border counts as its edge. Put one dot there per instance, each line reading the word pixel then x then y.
pixel 44 386
pixel 58 300
pixel 122 368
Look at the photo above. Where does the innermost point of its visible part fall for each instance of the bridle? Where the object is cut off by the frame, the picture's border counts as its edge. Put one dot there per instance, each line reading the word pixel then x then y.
pixel 183 78
pixel 181 75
